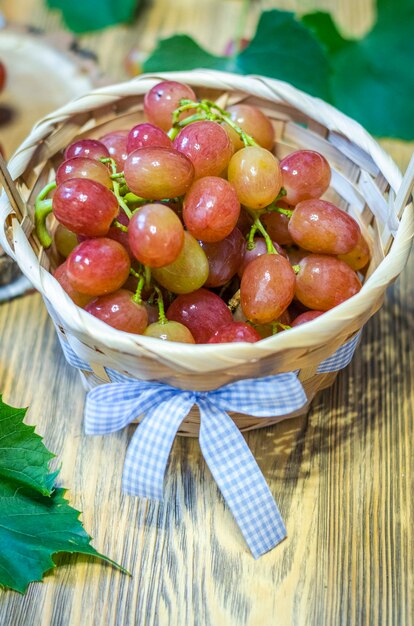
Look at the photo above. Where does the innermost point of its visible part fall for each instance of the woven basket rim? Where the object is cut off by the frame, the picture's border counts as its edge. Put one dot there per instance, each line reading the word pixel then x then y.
pixel 306 336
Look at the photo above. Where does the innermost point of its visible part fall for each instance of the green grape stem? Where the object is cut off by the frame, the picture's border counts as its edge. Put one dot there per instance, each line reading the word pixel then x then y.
pixel 43 207
pixel 296 268
pixel 137 296
pixel 116 186
pixel 120 226
pixel 205 110
pixel 262 230
pixel 162 319
pixel 250 241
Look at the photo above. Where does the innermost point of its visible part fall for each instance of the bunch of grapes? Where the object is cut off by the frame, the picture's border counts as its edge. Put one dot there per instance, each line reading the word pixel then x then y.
pixel 187 227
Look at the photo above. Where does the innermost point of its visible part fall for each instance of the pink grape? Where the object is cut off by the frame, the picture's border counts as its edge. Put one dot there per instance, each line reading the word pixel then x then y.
pixel 224 258
pixel 120 311
pixel 207 145
pixel 158 173
pixel 260 248
pixel 321 227
pixel 211 209
pixel 202 311
pixel 324 282
pixel 306 174
pixel 98 266
pixel 307 316
pixel 188 272
pixel 359 256
pixel 88 148
pixel 267 288
pixel 254 122
pixel 169 331
pixel 277 225
pixel 155 235
pixel 116 144
pixel 235 331
pixel 82 167
pixel 61 275
pixel 255 173
pixel 147 136
pixel 161 101
pixel 85 207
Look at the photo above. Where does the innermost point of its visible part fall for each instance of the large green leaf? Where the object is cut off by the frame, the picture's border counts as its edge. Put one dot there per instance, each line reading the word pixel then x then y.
pixel 372 78
pixel 36 521
pixel 91 15
pixel 271 53
pixel 32 529
pixel 23 456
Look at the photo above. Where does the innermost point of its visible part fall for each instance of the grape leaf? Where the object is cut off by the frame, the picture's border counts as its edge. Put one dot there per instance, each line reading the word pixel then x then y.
pixel 281 48
pixel 92 15
pixel 36 520
pixel 372 78
pixel 23 456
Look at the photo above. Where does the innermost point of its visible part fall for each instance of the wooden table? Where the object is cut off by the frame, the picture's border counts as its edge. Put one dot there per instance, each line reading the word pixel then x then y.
pixel 343 476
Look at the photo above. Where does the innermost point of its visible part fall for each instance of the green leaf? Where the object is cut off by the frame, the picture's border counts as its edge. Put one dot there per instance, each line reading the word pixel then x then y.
pixel 23 456
pixel 271 53
pixel 372 78
pixel 32 529
pixel 36 521
pixel 92 15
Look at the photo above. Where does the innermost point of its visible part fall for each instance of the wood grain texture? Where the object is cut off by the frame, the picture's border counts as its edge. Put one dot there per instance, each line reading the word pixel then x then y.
pixel 342 475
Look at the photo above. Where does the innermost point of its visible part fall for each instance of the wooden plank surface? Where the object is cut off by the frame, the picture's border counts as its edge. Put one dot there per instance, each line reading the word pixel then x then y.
pixel 343 476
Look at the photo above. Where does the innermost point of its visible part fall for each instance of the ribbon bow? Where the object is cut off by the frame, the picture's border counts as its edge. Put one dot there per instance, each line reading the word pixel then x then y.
pixel 113 406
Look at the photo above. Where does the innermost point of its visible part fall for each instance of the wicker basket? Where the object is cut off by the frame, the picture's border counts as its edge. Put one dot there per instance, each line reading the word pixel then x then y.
pixel 365 182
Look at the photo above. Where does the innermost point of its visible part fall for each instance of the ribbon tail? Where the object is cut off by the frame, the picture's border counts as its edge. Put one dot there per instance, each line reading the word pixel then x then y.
pixel 147 455
pixel 240 480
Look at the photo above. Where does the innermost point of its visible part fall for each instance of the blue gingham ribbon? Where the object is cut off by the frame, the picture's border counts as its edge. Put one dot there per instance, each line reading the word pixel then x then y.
pixel 113 406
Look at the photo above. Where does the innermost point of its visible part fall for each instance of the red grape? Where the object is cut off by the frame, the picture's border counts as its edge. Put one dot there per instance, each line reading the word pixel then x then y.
pixel 322 227
pixel 120 311
pixel 188 272
pixel 98 266
pixel 306 174
pixel 162 100
pixel 224 258
pixel 60 273
pixel 211 209
pixel 147 136
pixel 155 235
pixel 89 148
pixel 255 173
pixel 85 207
pixel 158 173
pixel 169 331
pixel 235 331
pixel 254 122
pixel 116 144
pixel 82 167
pixel 324 282
pixel 359 256
pixel 307 316
pixel 202 311
pixel 277 225
pixel 267 288
pixel 3 76
pixel 260 248
pixel 207 145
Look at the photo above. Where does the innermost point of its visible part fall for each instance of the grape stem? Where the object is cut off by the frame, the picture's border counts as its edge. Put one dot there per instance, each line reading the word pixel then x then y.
pixel 160 302
pixel 296 268
pixel 120 226
pixel 205 110
pixel 250 241
pixel 276 326
pixel 116 186
pixel 137 296
pixel 259 226
pixel 234 301
pixel 43 207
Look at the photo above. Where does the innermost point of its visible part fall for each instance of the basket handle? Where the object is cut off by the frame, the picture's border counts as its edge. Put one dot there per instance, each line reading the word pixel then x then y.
pixel 11 190
pixel 405 188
